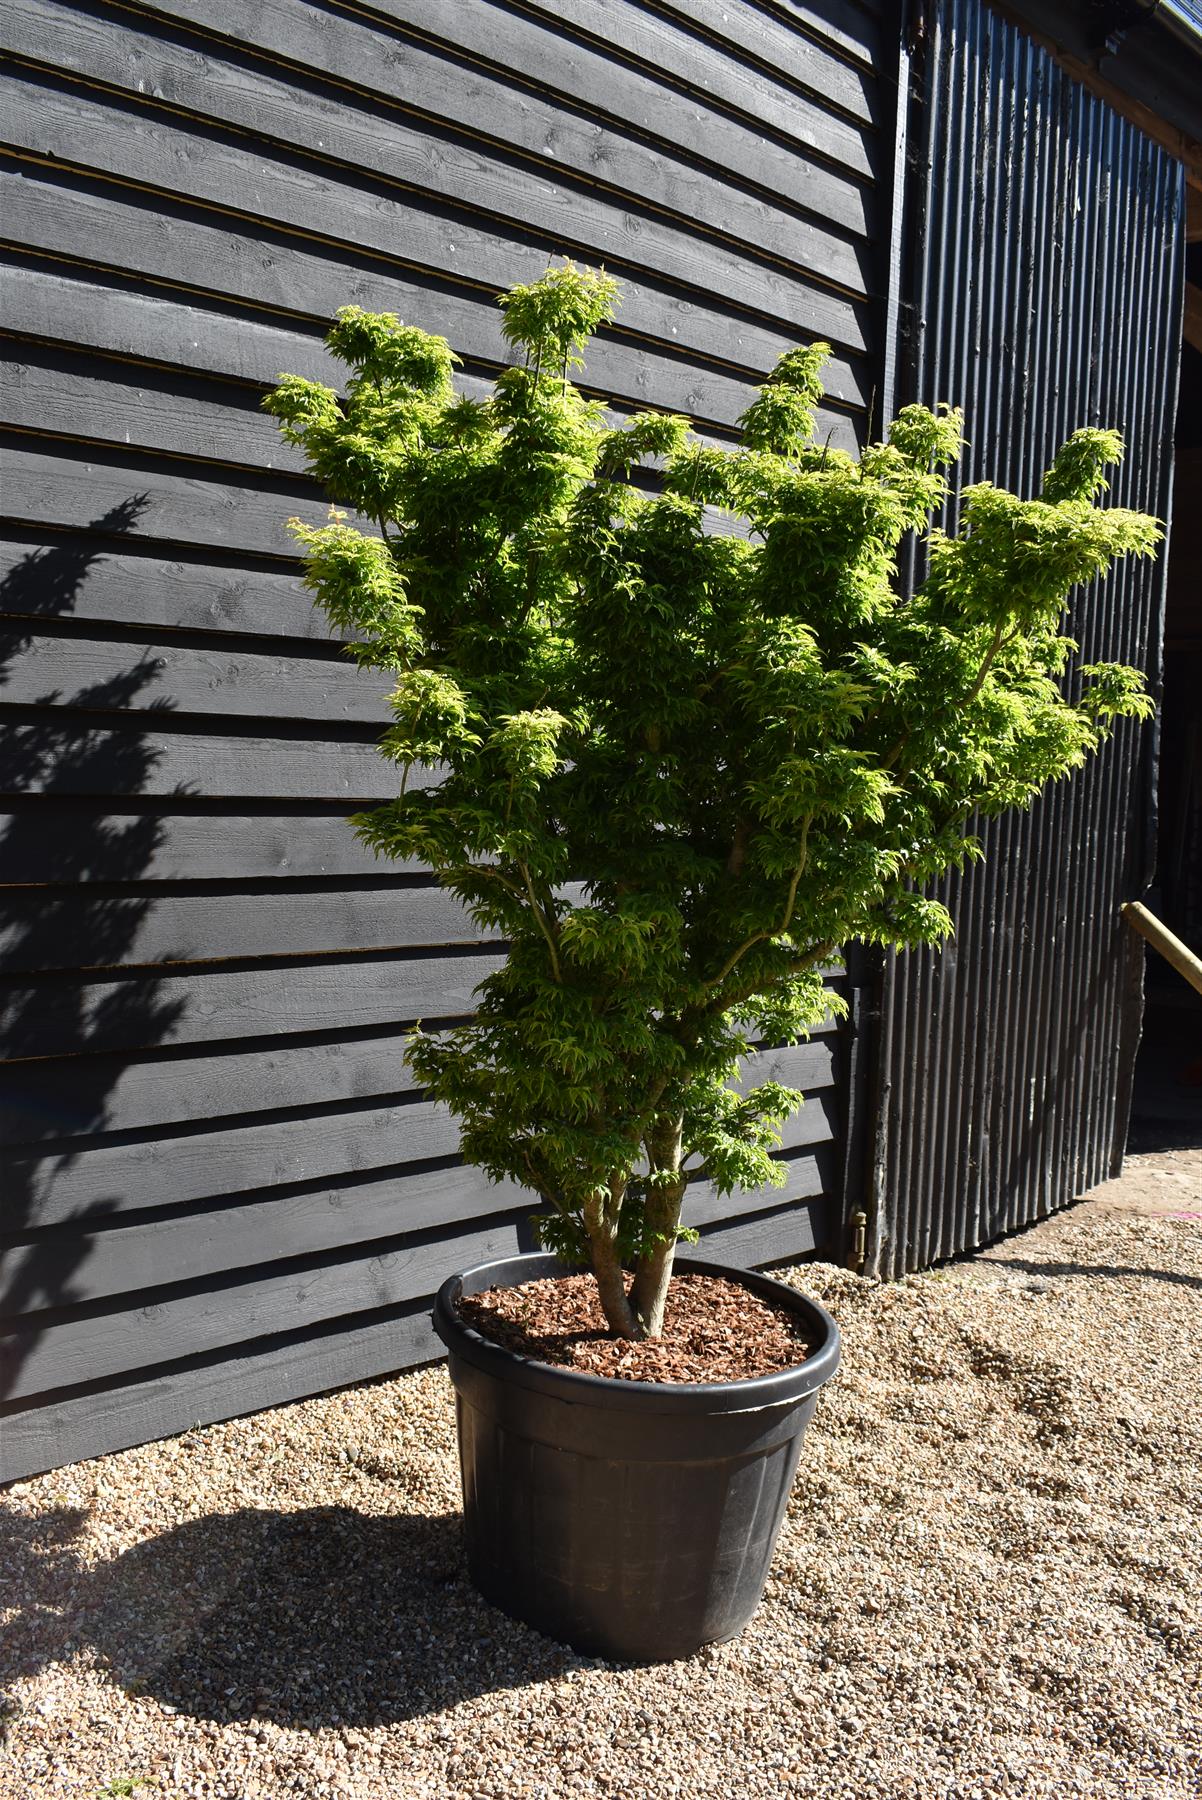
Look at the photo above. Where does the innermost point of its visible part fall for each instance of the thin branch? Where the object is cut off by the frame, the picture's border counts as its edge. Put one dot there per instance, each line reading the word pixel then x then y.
pixel 799 966
pixel 760 937
pixel 541 1187
pixel 738 848
pixel 997 644
pixel 990 655
pixel 492 874
pixel 543 924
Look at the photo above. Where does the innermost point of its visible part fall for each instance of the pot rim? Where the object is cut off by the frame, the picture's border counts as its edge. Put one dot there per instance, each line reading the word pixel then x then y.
pixel 780 1388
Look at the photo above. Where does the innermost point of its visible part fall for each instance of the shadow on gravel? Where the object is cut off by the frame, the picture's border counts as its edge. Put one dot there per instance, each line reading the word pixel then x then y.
pixel 43 1588
pixel 316 1618
pixel 1064 1268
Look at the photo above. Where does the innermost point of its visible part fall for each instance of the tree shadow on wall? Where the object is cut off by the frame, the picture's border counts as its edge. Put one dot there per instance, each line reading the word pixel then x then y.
pixel 72 760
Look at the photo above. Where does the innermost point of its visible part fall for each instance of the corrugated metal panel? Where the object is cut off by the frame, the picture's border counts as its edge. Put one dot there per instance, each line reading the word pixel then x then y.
pixel 1188 12
pixel 1047 295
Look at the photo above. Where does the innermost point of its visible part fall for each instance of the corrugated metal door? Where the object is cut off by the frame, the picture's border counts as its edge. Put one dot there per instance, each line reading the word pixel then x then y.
pixel 1045 282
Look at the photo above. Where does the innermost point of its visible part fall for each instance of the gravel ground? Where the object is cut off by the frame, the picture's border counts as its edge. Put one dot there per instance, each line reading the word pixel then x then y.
pixel 990 1581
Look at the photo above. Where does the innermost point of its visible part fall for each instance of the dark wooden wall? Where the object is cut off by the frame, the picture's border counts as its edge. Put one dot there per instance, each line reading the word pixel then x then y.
pixel 220 1189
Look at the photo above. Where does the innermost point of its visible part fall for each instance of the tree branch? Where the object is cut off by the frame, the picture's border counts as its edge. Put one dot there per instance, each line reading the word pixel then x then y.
pixel 738 848
pixel 759 937
pixel 799 966
pixel 990 656
pixel 543 924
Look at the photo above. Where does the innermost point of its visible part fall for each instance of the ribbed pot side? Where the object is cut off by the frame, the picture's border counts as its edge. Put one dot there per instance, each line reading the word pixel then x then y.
pixel 631 1520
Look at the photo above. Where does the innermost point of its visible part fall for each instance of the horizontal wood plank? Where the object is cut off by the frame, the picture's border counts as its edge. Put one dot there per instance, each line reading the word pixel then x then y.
pixel 80 310
pixel 146 500
pixel 87 577
pixel 670 43
pixel 104 1181
pixel 76 931
pixel 63 124
pixel 172 416
pixel 79 756
pixel 54 1016
pixel 859 29
pixel 643 245
pixel 81 1265
pixel 502 46
pixel 119 404
pixel 37 1359
pixel 280 1368
pixel 108 1182
pixel 794 42
pixel 58 1017
pixel 52 841
pixel 639 95
pixel 786 1234
pixel 44 1103
pixel 234 682
pixel 304 281
pixel 807 1167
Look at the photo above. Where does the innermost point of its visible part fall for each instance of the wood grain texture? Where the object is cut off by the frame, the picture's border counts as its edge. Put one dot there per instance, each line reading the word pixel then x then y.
pixel 179 416
pixel 85 576
pixel 105 1183
pixel 235 682
pixel 54 841
pixel 646 247
pixel 226 1190
pixel 44 931
pixel 101 1182
pixel 144 499
pixel 45 1103
pixel 63 1017
pixel 785 1234
pixel 62 125
pixel 668 46
pixel 807 1175
pixel 801 45
pixel 517 62
pixel 80 752
pixel 173 1397
pixel 302 279
pixel 36 1359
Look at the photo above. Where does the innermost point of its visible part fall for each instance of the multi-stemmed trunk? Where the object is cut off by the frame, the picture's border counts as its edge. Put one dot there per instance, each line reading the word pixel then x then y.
pixel 638 1312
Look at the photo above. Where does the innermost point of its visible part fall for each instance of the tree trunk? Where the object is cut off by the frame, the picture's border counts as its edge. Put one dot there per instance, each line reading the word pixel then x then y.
pixel 608 1270
pixel 649 1295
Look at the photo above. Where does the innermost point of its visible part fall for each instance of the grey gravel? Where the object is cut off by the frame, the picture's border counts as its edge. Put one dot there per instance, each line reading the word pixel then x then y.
pixel 990 1581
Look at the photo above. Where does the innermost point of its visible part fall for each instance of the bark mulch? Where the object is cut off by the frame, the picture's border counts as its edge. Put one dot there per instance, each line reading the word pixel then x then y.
pixel 714 1330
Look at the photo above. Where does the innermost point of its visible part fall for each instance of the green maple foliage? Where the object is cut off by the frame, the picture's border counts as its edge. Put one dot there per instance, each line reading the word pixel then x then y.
pixel 677 768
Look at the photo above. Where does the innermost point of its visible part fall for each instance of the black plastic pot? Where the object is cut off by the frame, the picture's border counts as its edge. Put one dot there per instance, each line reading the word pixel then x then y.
pixel 631 1519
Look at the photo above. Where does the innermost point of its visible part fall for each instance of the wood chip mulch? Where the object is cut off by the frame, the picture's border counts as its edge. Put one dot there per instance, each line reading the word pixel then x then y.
pixel 714 1330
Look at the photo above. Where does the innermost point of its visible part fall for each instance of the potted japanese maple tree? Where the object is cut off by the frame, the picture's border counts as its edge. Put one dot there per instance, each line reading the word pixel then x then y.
pixel 677 768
